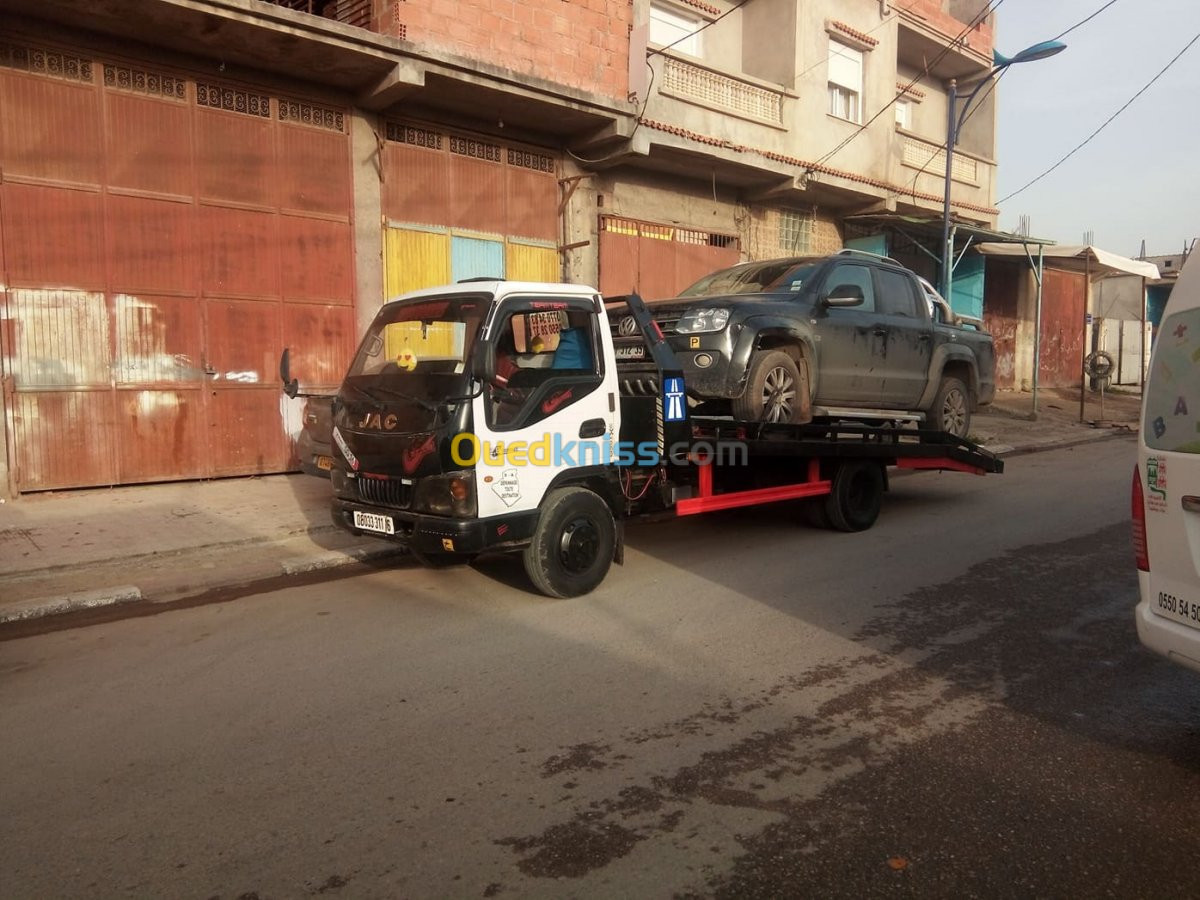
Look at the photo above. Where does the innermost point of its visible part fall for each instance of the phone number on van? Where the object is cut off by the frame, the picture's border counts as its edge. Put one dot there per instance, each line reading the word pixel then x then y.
pixel 1180 609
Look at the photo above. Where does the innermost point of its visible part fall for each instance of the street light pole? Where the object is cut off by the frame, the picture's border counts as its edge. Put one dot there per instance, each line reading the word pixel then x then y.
pixel 954 124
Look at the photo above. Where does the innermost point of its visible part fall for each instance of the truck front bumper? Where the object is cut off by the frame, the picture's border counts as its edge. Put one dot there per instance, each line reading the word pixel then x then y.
pixel 439 535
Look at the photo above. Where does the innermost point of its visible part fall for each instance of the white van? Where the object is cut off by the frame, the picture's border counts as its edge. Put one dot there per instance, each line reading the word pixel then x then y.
pixel 1166 481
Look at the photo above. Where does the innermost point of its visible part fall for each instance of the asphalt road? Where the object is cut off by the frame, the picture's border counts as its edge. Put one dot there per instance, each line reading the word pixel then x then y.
pixel 951 704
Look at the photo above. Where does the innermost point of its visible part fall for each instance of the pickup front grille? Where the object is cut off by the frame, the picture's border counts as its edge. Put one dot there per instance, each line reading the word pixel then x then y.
pixel 666 322
pixel 384 492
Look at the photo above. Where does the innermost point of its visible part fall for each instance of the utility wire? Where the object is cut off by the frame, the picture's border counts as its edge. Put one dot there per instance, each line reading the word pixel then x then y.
pixel 1085 21
pixel 987 10
pixel 690 34
pixel 1086 140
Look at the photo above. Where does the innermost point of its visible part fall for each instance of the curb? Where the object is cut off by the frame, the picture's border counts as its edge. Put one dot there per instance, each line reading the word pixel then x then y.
pixel 332 559
pixel 65 603
pixel 1006 450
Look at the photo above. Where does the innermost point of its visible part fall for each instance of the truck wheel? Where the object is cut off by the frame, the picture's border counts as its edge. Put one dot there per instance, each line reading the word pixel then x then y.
pixel 775 390
pixel 572 547
pixel 951 410
pixel 857 495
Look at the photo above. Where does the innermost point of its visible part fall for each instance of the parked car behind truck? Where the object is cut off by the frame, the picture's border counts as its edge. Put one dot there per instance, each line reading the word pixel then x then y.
pixel 849 335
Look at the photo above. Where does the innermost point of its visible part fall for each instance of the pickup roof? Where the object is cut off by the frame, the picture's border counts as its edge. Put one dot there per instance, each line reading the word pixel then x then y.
pixel 847 335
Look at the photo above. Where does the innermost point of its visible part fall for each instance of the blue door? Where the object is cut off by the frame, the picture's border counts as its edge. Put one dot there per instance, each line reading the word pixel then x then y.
pixel 476 258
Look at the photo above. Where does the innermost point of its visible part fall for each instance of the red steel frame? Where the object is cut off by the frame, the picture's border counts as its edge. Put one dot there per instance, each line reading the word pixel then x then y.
pixel 812 486
pixel 707 501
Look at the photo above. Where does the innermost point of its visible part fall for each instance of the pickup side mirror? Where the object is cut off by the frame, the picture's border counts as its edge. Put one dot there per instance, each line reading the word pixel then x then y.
pixel 290 386
pixel 483 361
pixel 845 295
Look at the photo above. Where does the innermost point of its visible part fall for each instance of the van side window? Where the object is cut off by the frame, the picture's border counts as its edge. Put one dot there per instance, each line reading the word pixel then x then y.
pixel 1172 402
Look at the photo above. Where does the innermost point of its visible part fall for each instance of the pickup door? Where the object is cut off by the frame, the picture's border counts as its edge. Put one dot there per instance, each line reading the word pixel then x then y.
pixel 908 347
pixel 875 354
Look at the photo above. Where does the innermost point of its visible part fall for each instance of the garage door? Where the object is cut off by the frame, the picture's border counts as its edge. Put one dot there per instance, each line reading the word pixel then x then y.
pixel 657 260
pixel 162 237
pixel 463 207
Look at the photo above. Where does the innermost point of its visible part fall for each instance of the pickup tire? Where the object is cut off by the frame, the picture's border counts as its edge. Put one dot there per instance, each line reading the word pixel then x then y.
pixel 857 496
pixel 775 390
pixel 572 546
pixel 951 409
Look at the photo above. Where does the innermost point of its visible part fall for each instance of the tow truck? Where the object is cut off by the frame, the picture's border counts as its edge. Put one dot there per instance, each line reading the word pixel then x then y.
pixel 489 416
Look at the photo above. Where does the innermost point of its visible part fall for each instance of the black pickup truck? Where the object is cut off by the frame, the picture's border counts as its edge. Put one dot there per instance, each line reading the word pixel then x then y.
pixel 849 335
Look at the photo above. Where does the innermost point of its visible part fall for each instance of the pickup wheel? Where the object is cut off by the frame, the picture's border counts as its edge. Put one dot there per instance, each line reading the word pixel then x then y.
pixel 951 410
pixel 857 496
pixel 572 546
pixel 775 390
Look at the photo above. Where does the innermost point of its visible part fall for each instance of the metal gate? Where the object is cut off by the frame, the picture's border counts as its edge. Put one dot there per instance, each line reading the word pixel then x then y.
pixel 465 207
pixel 162 237
pixel 1064 304
pixel 658 261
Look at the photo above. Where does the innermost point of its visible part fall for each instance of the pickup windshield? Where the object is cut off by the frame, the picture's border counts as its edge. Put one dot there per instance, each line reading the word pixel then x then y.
pixel 777 275
pixel 418 350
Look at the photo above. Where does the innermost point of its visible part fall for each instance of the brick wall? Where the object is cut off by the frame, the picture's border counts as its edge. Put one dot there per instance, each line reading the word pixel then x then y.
pixel 980 38
pixel 583 44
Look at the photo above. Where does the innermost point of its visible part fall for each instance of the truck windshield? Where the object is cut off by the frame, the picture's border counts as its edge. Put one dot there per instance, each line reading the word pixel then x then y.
pixel 777 275
pixel 418 350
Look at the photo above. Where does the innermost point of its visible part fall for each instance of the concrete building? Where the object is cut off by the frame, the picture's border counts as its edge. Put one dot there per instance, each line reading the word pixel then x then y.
pixel 190 185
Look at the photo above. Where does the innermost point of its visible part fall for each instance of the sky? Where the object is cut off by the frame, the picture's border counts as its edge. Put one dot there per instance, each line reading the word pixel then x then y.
pixel 1137 179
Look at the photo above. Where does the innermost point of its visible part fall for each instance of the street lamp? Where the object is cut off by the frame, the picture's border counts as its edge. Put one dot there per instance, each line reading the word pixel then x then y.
pixel 954 124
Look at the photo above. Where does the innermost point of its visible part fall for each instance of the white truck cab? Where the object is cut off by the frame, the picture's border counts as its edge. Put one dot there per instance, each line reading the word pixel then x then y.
pixel 1166 482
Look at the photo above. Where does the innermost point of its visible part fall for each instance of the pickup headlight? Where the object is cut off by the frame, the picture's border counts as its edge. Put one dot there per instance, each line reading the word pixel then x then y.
pixel 697 321
pixel 452 494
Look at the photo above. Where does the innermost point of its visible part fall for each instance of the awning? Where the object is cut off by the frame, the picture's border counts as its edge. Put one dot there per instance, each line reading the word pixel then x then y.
pixel 933 226
pixel 1080 258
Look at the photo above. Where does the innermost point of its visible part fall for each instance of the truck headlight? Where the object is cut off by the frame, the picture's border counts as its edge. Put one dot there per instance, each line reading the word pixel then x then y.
pixel 697 321
pixel 452 494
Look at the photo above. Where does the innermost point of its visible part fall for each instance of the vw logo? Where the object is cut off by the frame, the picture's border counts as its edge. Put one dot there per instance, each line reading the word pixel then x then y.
pixel 627 327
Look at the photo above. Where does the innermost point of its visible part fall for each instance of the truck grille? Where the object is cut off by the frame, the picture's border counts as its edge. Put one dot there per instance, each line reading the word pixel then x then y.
pixel 384 492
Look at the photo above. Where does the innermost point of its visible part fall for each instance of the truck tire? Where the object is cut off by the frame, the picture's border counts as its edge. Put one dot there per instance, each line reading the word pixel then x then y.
pixel 951 409
pixel 572 546
pixel 857 495
pixel 775 390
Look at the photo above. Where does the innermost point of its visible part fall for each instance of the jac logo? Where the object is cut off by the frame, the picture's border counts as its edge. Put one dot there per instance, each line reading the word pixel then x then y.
pixel 550 404
pixel 374 421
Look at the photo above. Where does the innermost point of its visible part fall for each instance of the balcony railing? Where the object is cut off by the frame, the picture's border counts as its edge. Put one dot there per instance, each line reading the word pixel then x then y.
pixel 931 159
pixel 349 12
pixel 721 92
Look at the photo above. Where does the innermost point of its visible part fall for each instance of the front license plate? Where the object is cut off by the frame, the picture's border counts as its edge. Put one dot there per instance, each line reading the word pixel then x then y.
pixel 325 462
pixel 631 352
pixel 373 522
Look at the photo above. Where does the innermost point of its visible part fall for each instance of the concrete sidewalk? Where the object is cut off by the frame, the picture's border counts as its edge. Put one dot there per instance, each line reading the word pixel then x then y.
pixel 72 550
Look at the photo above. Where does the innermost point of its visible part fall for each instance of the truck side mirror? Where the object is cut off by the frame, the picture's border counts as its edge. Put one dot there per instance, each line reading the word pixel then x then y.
pixel 290 385
pixel 845 295
pixel 483 361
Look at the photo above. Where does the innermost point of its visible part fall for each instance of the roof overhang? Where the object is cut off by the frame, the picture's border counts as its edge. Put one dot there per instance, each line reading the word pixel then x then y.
pixel 932 226
pixel 1080 258
pixel 240 37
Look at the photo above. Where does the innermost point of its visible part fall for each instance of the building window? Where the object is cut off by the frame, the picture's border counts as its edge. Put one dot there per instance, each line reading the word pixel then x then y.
pixel 797 231
pixel 904 114
pixel 677 30
pixel 845 81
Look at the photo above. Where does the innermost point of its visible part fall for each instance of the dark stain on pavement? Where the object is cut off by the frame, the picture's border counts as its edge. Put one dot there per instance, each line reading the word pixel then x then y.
pixel 573 849
pixel 577 758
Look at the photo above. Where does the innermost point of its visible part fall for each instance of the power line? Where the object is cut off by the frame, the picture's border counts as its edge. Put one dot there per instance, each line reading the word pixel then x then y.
pixel 692 34
pixel 987 10
pixel 1085 21
pixel 1107 121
